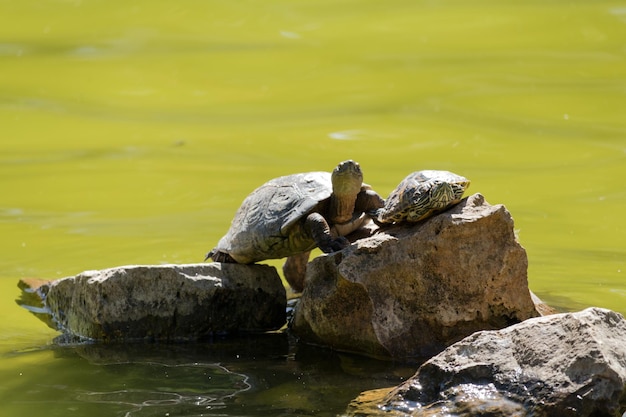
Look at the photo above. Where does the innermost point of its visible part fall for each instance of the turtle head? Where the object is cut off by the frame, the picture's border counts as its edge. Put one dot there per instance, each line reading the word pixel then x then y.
pixel 347 180
pixel 459 185
pixel 464 183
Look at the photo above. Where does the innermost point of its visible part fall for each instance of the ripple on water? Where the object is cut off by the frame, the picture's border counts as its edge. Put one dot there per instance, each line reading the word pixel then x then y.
pixel 173 390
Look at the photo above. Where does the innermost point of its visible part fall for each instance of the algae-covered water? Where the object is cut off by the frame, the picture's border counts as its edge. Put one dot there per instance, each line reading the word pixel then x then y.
pixel 131 131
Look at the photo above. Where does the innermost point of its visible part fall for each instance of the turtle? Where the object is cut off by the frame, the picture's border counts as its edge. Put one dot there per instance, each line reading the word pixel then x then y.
pixel 422 194
pixel 291 215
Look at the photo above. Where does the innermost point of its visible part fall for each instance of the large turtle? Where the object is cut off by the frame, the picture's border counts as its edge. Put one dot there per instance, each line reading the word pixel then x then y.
pixel 291 215
pixel 422 194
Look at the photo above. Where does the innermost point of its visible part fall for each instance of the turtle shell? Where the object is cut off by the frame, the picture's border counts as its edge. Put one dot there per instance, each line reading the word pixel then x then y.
pixel 267 226
pixel 421 194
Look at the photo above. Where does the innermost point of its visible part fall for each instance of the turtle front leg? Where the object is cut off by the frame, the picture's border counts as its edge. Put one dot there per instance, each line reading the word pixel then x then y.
pixel 294 270
pixel 369 202
pixel 320 231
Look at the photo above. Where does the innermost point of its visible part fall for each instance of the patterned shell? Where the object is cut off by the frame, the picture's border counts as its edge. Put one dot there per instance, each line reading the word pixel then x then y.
pixel 422 194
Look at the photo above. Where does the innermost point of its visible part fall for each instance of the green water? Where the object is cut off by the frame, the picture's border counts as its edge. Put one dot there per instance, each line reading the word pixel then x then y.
pixel 132 130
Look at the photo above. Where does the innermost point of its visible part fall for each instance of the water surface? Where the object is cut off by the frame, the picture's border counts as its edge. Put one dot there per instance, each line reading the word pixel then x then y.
pixel 132 130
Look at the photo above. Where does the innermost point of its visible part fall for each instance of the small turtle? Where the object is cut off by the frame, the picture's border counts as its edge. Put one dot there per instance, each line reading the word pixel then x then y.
pixel 291 215
pixel 422 194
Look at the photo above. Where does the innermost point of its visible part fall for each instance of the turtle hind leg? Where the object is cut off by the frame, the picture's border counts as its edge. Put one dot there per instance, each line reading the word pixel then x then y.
pixel 294 270
pixel 219 256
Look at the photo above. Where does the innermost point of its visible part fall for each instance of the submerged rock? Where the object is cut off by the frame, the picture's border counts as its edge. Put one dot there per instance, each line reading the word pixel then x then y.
pixel 408 291
pixel 561 365
pixel 160 302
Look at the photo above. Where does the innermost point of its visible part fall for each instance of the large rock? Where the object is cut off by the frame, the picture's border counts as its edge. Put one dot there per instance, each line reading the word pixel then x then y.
pixel 408 291
pixel 163 302
pixel 555 366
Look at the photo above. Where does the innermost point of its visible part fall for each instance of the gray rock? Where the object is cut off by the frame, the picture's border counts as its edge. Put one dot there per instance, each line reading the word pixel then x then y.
pixel 561 365
pixel 161 302
pixel 408 291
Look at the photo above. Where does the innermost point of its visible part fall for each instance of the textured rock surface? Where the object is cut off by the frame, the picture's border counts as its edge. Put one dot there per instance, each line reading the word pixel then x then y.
pixel 162 302
pixel 408 291
pixel 561 365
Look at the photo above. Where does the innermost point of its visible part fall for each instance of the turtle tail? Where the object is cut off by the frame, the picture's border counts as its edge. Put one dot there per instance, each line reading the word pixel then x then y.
pixel 210 255
pixel 219 256
pixel 375 215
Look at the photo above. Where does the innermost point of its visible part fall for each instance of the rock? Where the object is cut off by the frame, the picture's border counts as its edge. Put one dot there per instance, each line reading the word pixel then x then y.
pixel 162 302
pixel 562 365
pixel 409 291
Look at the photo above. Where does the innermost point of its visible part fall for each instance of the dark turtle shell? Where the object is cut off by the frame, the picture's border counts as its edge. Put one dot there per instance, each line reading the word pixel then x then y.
pixel 267 226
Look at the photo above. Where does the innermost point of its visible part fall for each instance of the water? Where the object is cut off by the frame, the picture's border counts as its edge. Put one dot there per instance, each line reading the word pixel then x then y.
pixel 260 376
pixel 131 131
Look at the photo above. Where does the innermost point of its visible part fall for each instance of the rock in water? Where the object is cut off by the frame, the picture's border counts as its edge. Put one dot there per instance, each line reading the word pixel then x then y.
pixel 409 291
pixel 563 365
pixel 161 302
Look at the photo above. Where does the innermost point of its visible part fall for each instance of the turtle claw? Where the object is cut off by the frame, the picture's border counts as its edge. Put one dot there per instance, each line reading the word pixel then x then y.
pixel 335 245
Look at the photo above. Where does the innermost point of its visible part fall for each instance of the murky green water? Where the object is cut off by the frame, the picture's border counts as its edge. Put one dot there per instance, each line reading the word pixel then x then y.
pixel 132 130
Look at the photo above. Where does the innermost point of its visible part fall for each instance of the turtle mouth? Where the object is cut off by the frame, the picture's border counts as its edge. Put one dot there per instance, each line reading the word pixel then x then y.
pixel 347 167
